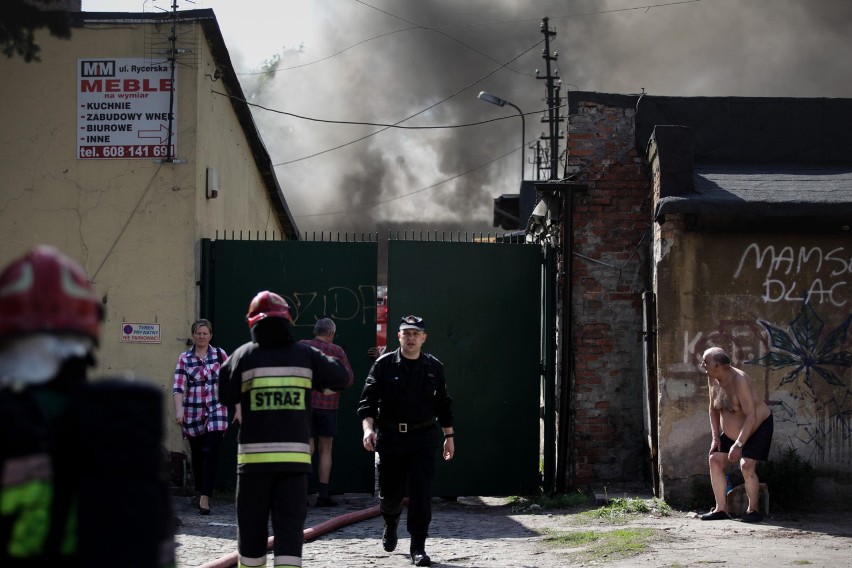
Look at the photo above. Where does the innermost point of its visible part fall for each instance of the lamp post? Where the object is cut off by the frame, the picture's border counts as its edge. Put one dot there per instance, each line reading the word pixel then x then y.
pixel 495 100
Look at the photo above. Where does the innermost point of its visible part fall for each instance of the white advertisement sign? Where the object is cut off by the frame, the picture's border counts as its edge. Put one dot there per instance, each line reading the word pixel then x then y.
pixel 123 109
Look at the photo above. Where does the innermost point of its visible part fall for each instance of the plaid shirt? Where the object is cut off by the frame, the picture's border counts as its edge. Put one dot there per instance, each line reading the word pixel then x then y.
pixel 198 381
pixel 329 401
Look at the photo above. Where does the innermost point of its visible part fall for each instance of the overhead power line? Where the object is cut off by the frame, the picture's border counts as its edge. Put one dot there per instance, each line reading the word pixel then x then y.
pixel 430 107
pixel 646 8
pixel 381 124
pixel 416 191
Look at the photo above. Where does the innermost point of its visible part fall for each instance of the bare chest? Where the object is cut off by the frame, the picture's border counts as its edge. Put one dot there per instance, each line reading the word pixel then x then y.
pixel 725 399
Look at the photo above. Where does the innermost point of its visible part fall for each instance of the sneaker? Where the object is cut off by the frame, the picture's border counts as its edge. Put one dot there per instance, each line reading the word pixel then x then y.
pixel 715 516
pixel 420 558
pixel 752 517
pixel 326 502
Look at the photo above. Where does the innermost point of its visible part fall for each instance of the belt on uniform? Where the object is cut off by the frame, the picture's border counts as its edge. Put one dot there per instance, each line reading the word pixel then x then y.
pixel 405 427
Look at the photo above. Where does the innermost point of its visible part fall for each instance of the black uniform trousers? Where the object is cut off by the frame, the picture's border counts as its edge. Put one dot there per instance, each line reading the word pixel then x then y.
pixel 415 470
pixel 281 495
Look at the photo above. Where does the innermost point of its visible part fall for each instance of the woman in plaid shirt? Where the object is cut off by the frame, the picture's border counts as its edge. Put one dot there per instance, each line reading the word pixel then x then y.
pixel 203 419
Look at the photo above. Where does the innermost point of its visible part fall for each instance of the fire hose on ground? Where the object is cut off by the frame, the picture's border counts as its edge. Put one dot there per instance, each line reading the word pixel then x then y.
pixel 232 559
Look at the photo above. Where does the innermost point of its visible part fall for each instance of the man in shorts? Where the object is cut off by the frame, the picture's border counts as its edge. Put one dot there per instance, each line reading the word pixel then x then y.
pixel 324 405
pixel 735 411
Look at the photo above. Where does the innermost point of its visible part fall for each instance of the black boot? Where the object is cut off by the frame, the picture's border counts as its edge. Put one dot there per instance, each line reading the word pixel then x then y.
pixel 418 552
pixel 389 538
pixel 420 558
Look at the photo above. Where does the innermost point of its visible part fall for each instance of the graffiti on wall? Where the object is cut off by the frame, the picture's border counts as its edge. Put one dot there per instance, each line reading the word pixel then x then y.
pixel 814 362
pixel 814 359
pixel 805 351
pixel 792 275
pixel 337 302
pixel 806 361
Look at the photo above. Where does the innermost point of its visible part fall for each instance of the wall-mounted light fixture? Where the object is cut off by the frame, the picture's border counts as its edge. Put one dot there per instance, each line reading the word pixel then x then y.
pixel 212 183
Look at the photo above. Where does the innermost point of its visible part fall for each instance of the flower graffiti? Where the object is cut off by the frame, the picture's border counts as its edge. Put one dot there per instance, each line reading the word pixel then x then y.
pixel 805 348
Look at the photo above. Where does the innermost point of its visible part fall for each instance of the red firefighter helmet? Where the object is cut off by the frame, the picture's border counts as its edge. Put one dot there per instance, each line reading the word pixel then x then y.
pixel 46 291
pixel 267 305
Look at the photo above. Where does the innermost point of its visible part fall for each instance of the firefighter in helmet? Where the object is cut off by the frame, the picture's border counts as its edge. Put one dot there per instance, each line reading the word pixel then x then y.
pixel 67 444
pixel 271 378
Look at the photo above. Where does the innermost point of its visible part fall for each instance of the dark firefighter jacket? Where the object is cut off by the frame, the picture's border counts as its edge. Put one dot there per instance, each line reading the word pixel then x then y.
pixel 403 397
pixel 66 449
pixel 273 384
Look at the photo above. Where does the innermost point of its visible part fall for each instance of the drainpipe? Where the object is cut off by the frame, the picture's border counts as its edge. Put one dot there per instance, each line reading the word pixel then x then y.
pixel 548 337
pixel 566 415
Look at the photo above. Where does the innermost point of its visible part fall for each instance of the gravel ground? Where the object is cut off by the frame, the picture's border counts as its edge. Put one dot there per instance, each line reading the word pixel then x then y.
pixel 489 531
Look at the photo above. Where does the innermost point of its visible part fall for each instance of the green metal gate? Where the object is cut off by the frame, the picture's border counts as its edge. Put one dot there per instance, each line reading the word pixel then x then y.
pixel 318 279
pixel 482 305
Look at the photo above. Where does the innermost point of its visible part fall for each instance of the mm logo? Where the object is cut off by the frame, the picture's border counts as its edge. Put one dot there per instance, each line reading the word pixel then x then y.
pixel 97 68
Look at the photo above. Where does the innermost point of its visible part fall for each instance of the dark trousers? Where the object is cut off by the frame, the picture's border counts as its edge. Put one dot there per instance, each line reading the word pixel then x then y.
pixel 281 495
pixel 414 471
pixel 205 459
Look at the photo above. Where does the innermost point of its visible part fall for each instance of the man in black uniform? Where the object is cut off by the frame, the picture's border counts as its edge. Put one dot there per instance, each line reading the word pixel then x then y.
pixel 403 394
pixel 271 377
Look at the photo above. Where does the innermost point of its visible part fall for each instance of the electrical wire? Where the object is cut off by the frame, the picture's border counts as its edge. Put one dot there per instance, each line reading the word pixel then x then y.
pixel 327 57
pixel 127 222
pixel 430 107
pixel 446 35
pixel 646 8
pixel 409 194
pixel 381 124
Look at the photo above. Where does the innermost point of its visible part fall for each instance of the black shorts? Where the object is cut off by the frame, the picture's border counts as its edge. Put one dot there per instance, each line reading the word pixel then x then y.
pixel 758 444
pixel 324 423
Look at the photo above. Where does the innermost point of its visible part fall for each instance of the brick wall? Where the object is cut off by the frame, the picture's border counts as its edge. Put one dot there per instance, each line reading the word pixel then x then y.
pixel 612 236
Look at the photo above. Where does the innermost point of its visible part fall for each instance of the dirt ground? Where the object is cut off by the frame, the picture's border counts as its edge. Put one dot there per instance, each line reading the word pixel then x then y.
pixel 681 539
pixel 492 531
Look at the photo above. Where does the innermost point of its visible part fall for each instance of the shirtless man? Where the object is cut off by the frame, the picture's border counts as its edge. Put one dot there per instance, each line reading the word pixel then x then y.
pixel 735 409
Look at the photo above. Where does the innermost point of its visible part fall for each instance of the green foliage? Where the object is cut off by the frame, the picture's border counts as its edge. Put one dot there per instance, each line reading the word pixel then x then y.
pixel 619 508
pixel 608 545
pixel 789 480
pixel 270 67
pixel 18 23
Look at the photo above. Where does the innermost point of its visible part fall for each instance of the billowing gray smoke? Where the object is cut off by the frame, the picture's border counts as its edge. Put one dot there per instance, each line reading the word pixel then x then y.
pixel 769 48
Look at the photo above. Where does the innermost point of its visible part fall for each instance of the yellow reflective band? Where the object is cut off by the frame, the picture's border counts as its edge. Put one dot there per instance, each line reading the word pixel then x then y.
pixel 267 382
pixel 275 457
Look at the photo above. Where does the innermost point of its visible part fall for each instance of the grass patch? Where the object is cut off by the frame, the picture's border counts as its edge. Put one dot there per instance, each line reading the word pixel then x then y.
pixel 620 508
pixel 596 545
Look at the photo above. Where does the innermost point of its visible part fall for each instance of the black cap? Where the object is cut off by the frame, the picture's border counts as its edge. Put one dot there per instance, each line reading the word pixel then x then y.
pixel 412 322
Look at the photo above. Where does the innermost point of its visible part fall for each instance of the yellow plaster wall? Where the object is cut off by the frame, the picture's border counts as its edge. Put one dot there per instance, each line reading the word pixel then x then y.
pixel 134 225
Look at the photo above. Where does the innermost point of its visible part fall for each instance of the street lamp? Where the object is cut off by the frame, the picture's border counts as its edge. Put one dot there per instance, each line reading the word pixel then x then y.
pixel 495 100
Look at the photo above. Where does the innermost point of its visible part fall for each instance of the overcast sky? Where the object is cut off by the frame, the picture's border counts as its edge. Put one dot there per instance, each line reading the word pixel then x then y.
pixel 383 61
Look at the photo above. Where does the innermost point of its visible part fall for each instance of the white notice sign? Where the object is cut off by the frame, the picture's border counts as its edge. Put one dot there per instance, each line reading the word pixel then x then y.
pixel 123 109
pixel 140 333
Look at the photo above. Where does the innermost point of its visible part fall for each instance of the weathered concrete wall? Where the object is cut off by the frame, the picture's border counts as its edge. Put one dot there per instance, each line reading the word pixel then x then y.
pixel 780 305
pixel 611 235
